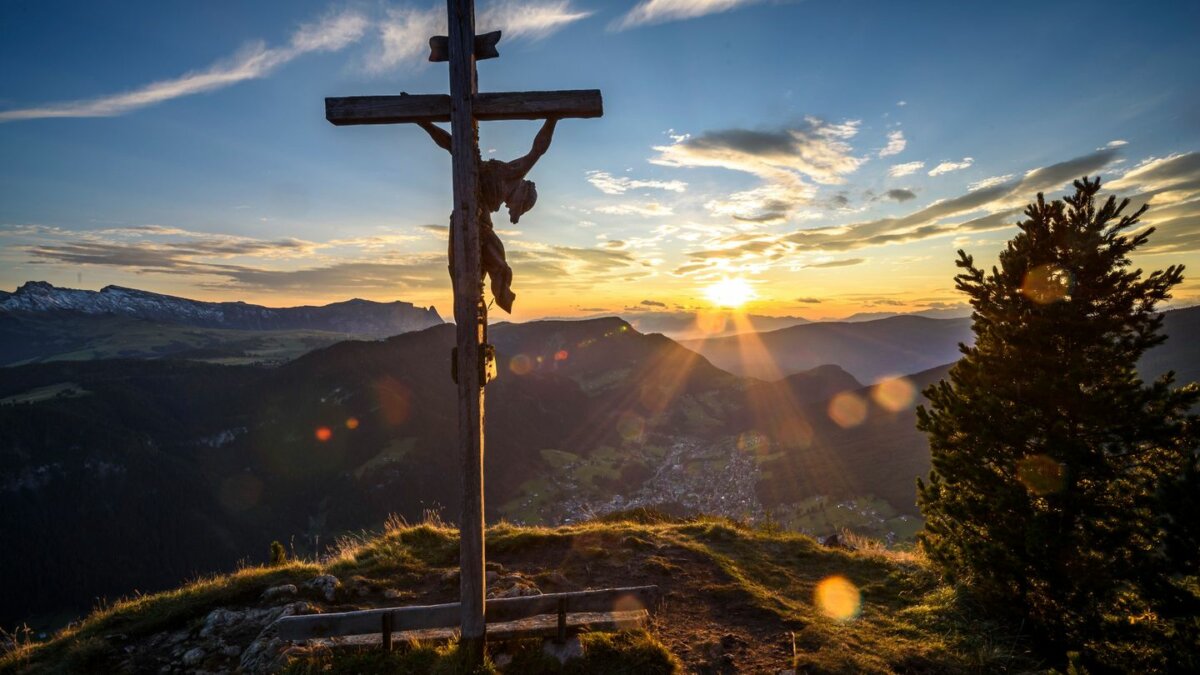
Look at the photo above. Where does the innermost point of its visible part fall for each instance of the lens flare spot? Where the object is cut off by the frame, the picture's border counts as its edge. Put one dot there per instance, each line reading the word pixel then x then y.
pixel 520 364
pixel 753 442
pixel 323 434
pixel 893 393
pixel 395 400
pixel 631 426
pixel 1046 284
pixel 351 422
pixel 838 599
pixel 622 609
pixel 1041 474
pixel 561 355
pixel 847 410
pixel 729 292
pixel 240 492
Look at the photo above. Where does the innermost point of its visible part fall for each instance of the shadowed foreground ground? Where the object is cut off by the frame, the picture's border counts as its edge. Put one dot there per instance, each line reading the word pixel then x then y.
pixel 735 599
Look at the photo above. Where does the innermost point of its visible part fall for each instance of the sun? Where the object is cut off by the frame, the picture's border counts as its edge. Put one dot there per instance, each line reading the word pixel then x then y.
pixel 729 292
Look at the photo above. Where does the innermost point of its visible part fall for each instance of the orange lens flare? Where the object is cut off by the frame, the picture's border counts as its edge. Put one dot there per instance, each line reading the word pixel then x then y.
pixel 1041 474
pixel 837 598
pixel 520 364
pixel 623 605
pixel 631 426
pixel 753 442
pixel 893 394
pixel 561 355
pixel 847 410
pixel 323 434
pixel 351 422
pixel 395 400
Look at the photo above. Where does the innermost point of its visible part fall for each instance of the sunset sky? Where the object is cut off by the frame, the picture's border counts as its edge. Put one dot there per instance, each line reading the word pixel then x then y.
pixel 833 155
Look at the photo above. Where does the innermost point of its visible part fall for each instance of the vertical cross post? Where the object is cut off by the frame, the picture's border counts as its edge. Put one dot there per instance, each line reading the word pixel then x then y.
pixel 470 317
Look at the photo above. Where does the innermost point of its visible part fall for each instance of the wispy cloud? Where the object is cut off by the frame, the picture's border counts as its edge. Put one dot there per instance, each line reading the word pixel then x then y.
pixel 331 33
pixel 895 144
pixel 989 182
pixel 983 209
pixel 404 32
pixel 380 264
pixel 947 167
pixel 650 12
pixel 898 170
pixel 845 262
pixel 785 159
pixel 653 209
pixel 616 185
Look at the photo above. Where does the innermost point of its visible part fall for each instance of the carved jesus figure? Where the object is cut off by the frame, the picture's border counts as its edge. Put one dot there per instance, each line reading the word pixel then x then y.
pixel 500 183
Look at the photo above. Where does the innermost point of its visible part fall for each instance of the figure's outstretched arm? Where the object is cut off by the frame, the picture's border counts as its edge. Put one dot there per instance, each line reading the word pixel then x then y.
pixel 541 143
pixel 438 134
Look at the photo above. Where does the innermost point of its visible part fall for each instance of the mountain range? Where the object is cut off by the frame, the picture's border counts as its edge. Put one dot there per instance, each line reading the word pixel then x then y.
pixel 358 317
pixel 40 322
pixel 165 468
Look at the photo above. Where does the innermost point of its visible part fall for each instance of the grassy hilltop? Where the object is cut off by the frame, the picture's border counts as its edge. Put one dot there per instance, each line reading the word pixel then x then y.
pixel 735 598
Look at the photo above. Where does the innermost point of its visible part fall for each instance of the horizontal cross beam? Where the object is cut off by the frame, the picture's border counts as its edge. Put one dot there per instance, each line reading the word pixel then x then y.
pixel 514 105
pixel 498 610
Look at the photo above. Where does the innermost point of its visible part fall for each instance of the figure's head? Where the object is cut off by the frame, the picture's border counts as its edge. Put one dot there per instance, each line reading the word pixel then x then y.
pixel 522 198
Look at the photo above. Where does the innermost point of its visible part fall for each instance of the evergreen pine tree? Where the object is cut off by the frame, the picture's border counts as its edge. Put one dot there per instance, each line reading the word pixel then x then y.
pixel 1061 481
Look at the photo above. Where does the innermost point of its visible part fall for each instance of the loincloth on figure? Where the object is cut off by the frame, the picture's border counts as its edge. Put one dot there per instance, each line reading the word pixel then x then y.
pixel 492 260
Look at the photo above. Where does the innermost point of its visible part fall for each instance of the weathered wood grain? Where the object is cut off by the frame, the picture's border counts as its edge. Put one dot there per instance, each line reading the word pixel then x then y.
pixel 515 105
pixel 470 318
pixel 537 626
pixel 485 47
pixel 499 610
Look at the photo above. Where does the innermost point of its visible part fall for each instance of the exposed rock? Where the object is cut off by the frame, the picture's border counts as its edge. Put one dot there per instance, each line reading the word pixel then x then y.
pixel 571 648
pixel 219 620
pixel 276 592
pixel 193 656
pixel 516 591
pixel 326 585
pixel 556 579
pixel 268 652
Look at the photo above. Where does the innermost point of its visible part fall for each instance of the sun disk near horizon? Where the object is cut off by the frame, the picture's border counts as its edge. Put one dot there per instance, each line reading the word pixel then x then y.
pixel 731 293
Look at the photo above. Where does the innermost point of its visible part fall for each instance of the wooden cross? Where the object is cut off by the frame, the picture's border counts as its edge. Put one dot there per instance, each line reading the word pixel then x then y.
pixel 463 108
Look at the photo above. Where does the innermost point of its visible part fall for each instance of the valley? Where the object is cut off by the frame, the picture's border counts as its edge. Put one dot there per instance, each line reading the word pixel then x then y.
pixel 120 457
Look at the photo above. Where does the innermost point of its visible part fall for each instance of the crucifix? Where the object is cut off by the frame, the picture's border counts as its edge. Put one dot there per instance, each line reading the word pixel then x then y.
pixel 472 243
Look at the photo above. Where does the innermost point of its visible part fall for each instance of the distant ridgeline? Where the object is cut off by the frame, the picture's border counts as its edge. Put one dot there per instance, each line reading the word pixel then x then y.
pixel 43 322
pixel 359 317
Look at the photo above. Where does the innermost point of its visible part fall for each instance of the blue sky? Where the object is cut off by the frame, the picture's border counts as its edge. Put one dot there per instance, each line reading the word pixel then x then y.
pixel 832 154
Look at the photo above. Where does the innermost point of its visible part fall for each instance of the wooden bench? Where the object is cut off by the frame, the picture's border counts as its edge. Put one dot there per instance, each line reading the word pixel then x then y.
pixel 529 616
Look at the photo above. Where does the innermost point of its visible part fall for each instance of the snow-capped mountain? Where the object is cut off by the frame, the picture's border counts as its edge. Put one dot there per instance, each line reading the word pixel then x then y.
pixel 360 317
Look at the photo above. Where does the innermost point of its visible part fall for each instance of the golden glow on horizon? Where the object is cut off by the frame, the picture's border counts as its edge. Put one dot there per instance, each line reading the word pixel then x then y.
pixel 729 292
